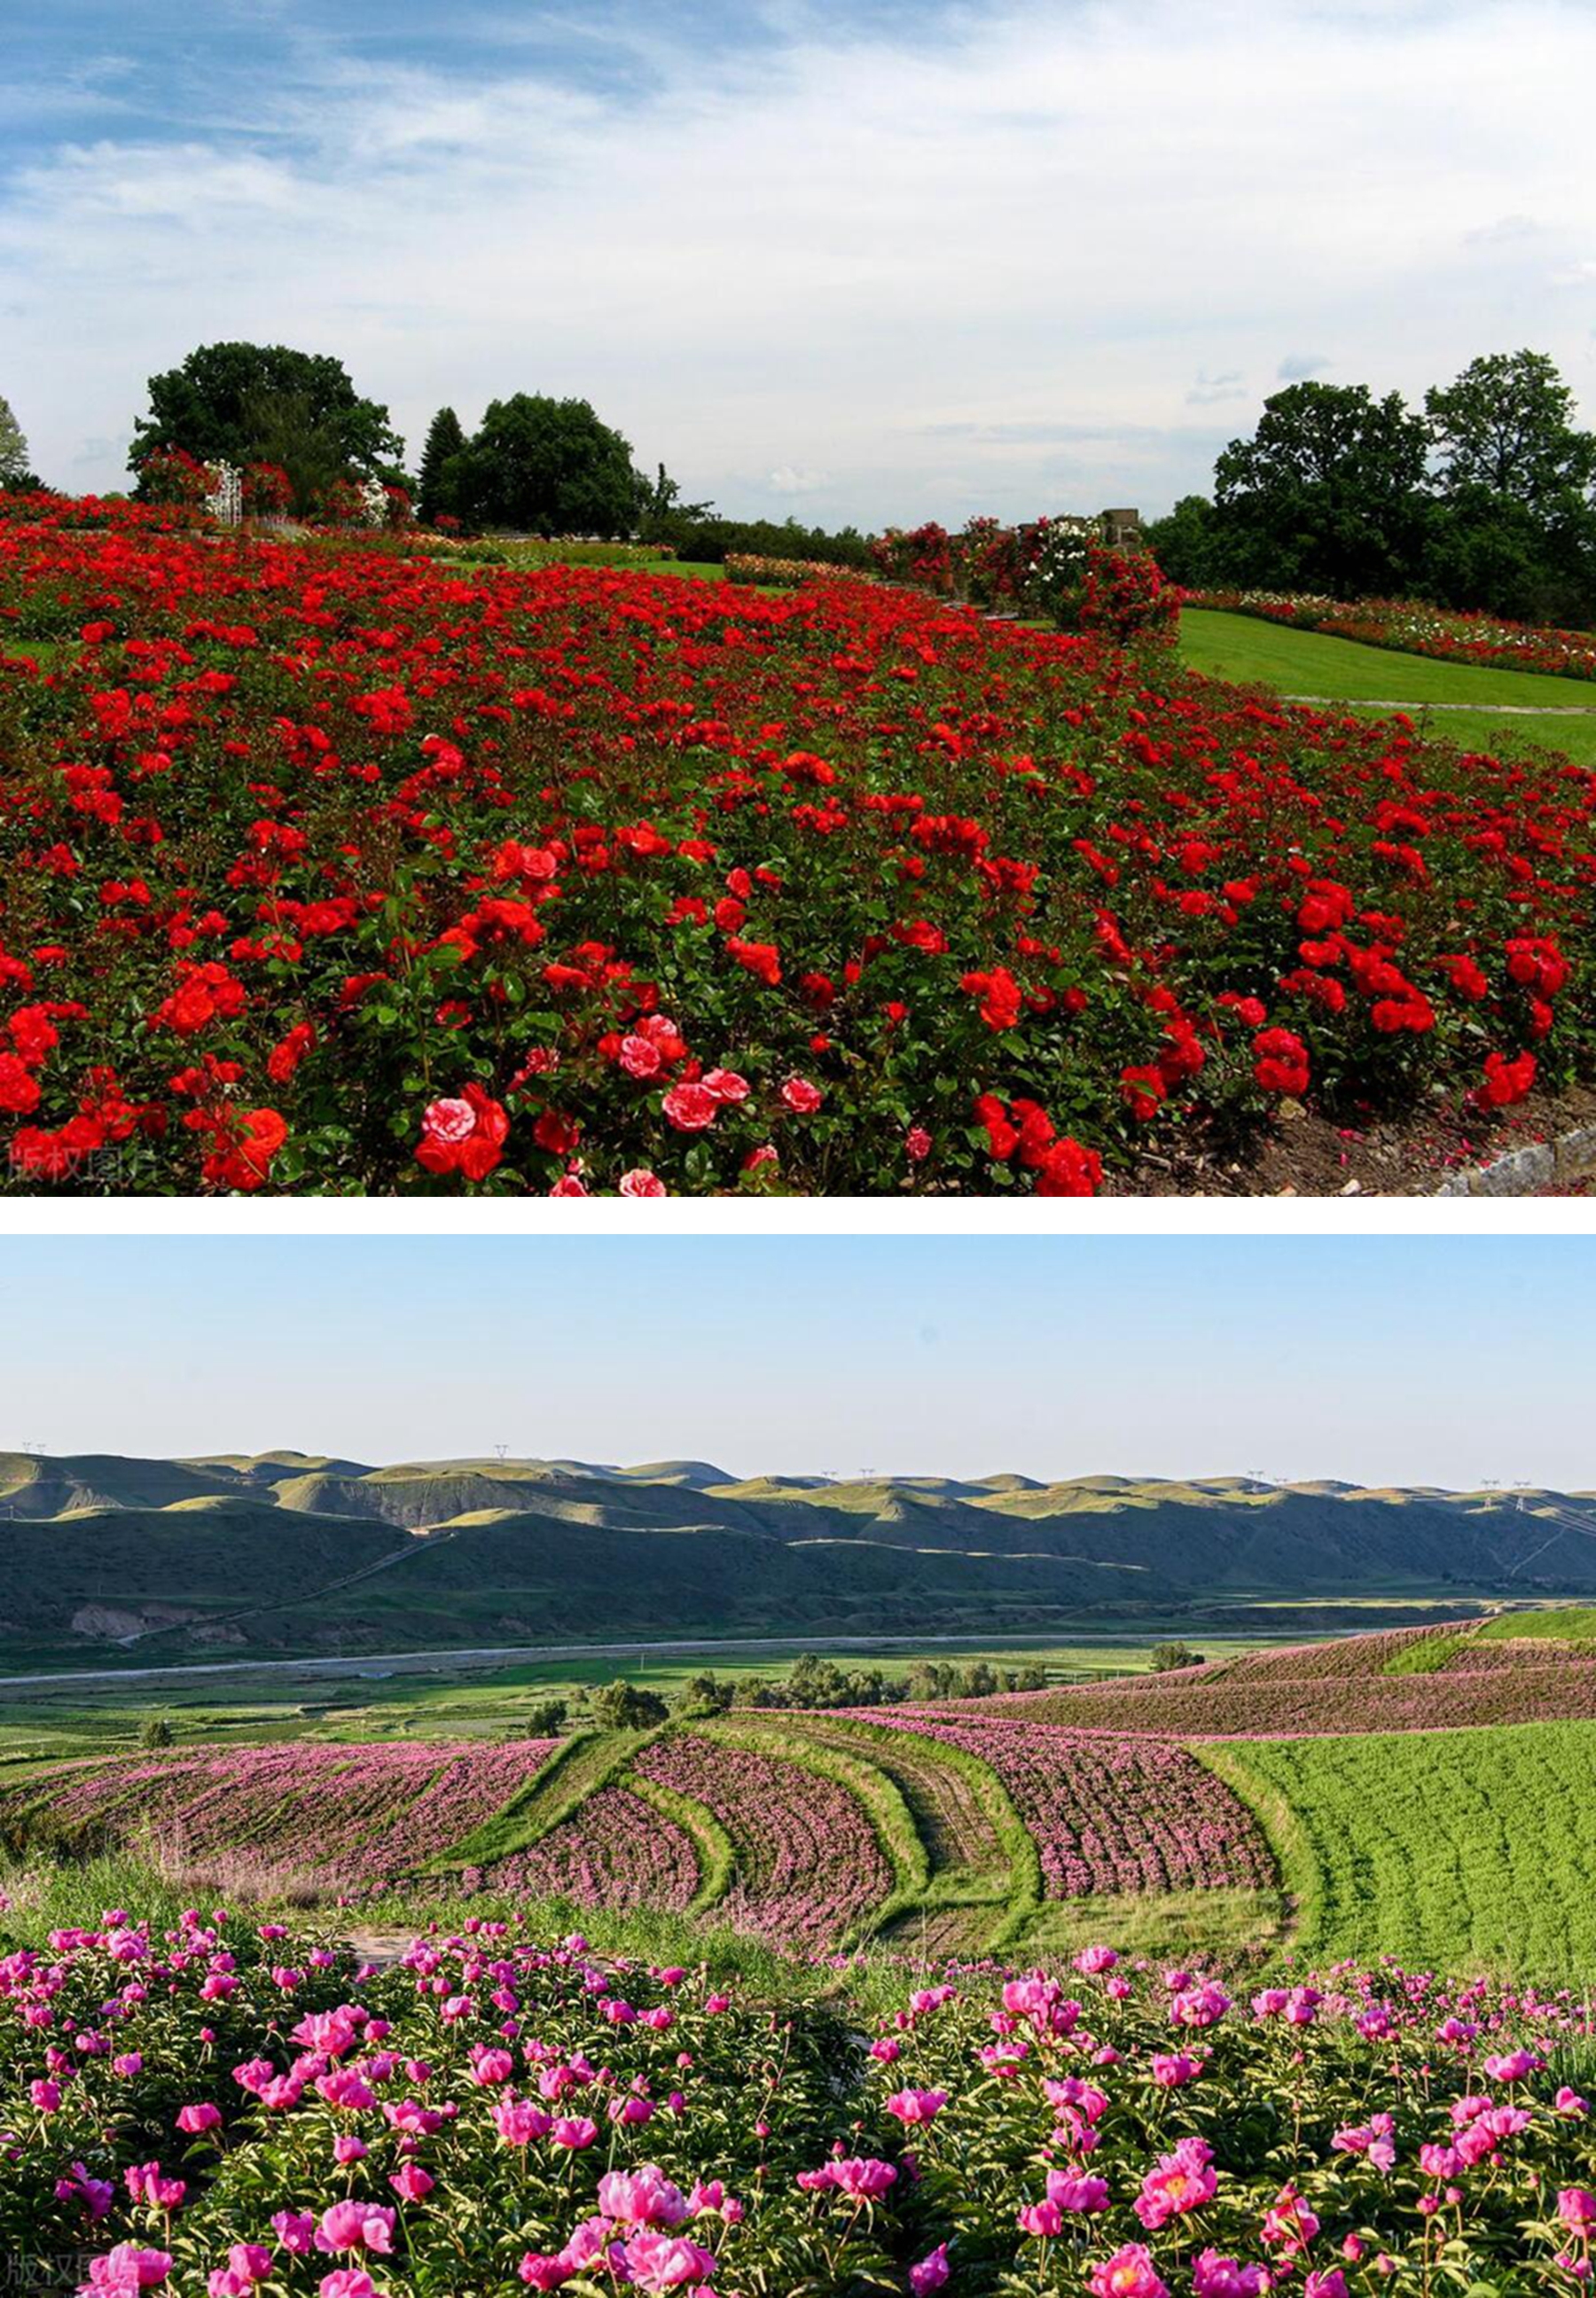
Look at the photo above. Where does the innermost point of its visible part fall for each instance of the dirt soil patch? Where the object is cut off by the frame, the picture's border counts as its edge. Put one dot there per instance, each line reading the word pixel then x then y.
pixel 1307 1155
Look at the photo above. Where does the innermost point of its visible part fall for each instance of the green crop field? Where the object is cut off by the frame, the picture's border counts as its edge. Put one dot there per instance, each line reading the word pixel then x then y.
pixel 1451 1849
pixel 1253 652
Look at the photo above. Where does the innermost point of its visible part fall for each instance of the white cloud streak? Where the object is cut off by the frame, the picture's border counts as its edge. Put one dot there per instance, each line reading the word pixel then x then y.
pixel 937 275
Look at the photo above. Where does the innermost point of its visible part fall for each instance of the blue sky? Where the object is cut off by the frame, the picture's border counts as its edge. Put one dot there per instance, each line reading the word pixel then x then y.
pixel 851 260
pixel 1381 1361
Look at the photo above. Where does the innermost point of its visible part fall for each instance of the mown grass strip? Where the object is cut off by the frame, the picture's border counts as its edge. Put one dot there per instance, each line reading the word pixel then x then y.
pixel 716 1854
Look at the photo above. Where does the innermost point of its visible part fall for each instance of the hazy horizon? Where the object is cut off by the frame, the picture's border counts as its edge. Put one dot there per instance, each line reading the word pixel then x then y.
pixel 1447 1361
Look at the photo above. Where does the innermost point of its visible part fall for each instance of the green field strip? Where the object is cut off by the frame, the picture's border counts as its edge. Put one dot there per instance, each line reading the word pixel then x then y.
pixel 1470 1849
pixel 1165 1926
pixel 716 1852
pixel 1571 1624
pixel 890 1820
pixel 578 1768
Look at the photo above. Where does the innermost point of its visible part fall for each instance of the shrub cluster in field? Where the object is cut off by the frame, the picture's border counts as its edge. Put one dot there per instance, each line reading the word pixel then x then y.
pixel 1409 626
pixel 1059 570
pixel 226 2109
pixel 329 869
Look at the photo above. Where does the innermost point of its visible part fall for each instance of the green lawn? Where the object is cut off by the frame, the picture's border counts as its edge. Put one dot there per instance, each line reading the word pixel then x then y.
pixel 1569 1623
pixel 1250 652
pixel 1461 1850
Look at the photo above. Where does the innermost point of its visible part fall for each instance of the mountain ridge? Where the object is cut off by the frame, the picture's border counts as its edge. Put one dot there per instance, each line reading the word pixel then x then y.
pixel 287 1550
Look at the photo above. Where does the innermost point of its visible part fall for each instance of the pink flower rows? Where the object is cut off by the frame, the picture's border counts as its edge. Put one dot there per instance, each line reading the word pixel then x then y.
pixel 1110 1814
pixel 808 1865
pixel 616 1852
pixel 363 1814
pixel 1332 1687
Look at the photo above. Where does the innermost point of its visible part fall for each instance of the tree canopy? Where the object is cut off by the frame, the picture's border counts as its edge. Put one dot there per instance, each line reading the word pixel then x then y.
pixel 547 466
pixel 244 403
pixel 1333 478
pixel 1487 501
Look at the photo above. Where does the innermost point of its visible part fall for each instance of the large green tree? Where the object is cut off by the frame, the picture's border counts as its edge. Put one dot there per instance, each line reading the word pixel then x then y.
pixel 438 489
pixel 1514 527
pixel 263 402
pixel 548 467
pixel 1507 426
pixel 1328 493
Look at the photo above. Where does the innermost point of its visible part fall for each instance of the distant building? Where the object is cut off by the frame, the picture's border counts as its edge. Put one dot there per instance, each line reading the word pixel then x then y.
pixel 1121 529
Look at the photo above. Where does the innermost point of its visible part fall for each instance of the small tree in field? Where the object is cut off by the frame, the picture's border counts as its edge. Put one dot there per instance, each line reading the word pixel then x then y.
pixel 623 1706
pixel 154 1732
pixel 1167 1657
pixel 544 1720
pixel 438 493
pixel 13 448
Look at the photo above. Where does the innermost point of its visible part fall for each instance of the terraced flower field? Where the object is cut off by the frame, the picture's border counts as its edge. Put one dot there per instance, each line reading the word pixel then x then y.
pixel 1417 1679
pixel 1259 1801
pixel 349 1814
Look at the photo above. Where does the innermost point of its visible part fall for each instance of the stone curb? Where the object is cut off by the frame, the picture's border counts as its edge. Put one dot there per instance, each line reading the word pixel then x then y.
pixel 1521 1172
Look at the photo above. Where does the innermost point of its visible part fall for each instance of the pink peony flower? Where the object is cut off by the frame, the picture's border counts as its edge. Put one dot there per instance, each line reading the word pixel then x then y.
pixel 356 2226
pixel 1129 2273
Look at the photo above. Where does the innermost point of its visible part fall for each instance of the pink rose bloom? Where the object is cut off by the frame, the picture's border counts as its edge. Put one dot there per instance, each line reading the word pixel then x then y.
pixel 658 2261
pixel 917 1147
pixel 518 2122
pixel 574 2131
pixel 198 2118
pixel 569 1185
pixel 449 1120
pixel 802 1098
pixel 295 2230
pixel 1044 2220
pixel 348 2282
pixel 641 1183
pixel 726 1086
pixel 917 2105
pixel 545 2270
pixel 1213 2277
pixel 1070 2192
pixel 639 1057
pixel 1576 2208
pixel 691 1108
pixel 1179 2182
pixel 412 2183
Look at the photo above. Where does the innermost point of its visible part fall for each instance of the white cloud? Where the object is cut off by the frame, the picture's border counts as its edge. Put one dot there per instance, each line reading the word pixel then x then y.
pixel 789 482
pixel 935 276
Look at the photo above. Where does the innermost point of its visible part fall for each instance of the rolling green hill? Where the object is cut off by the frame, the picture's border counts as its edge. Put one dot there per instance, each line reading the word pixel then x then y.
pixel 286 1553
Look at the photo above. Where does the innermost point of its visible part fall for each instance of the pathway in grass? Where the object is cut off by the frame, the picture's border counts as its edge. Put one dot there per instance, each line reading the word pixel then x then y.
pixel 1476 707
pixel 1461 1849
